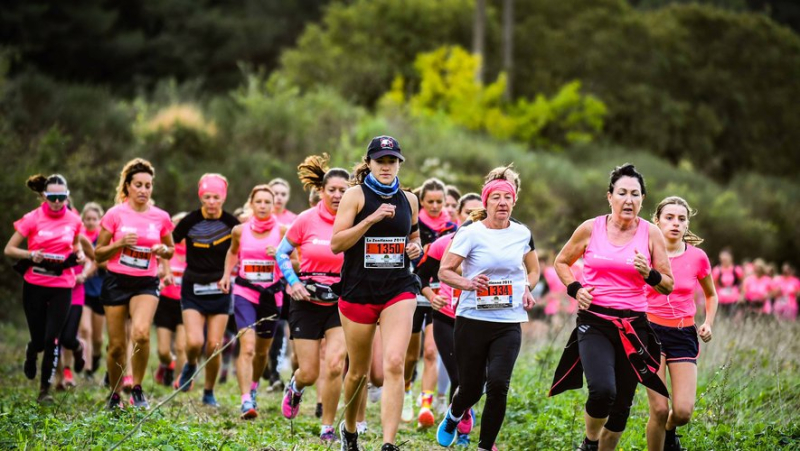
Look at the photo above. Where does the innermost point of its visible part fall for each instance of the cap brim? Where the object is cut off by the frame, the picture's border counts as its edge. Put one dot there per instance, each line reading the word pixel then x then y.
pixel 382 153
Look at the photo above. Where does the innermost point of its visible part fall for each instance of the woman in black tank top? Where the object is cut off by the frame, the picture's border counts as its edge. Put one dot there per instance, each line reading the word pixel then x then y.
pixel 376 228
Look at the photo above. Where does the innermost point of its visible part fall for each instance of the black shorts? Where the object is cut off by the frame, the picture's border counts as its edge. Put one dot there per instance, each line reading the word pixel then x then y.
pixel 206 304
pixel 678 344
pixel 118 289
pixel 309 321
pixel 423 316
pixel 93 302
pixel 168 314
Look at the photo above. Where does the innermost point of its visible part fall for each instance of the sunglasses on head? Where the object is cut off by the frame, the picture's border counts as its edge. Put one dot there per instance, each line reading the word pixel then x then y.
pixel 56 197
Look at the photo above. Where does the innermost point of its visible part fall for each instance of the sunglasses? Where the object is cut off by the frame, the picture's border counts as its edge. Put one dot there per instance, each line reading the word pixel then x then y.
pixel 56 197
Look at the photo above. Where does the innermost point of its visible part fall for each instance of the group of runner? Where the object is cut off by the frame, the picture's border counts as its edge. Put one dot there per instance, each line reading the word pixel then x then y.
pixel 370 279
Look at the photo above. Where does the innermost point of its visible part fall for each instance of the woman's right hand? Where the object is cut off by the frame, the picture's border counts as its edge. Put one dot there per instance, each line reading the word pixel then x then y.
pixel 299 292
pixel 584 297
pixel 384 211
pixel 129 239
pixel 37 256
pixel 224 284
pixel 479 282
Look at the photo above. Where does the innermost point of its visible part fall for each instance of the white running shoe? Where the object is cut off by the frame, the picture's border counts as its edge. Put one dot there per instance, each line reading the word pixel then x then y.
pixel 408 407
pixel 374 393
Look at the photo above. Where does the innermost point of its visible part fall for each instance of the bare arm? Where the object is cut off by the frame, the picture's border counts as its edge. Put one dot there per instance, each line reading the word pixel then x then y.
pixel 231 258
pixel 570 253
pixel 531 261
pixel 106 249
pixel 13 248
pixel 448 273
pixel 414 249
pixel 710 292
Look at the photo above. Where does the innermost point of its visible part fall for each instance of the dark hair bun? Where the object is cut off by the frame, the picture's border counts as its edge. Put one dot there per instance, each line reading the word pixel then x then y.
pixel 37 183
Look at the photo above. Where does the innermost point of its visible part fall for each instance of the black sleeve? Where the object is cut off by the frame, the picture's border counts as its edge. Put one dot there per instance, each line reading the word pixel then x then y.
pixel 428 269
pixel 183 227
pixel 230 220
pixel 530 243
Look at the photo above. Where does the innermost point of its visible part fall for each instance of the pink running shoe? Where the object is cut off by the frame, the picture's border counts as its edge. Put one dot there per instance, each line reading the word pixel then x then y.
pixel 291 401
pixel 467 421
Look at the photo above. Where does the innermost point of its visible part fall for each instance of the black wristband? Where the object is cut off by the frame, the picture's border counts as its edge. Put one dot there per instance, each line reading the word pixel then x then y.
pixel 414 228
pixel 572 289
pixel 654 278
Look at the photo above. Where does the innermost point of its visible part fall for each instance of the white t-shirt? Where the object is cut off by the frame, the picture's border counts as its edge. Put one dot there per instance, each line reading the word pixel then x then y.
pixel 499 254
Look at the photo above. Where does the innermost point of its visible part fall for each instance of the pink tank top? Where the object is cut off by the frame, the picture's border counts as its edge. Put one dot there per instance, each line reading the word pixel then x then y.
pixel 609 268
pixel 255 265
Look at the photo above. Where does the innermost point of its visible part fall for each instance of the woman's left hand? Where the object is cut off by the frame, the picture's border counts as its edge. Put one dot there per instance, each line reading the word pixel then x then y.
pixel 704 332
pixel 528 301
pixel 413 250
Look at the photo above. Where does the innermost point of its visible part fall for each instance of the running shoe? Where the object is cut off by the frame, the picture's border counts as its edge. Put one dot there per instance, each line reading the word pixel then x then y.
pixel 494 447
pixel 79 360
pixel 446 432
pixel 169 374
pixel 249 410
pixel 318 410
pixel 44 398
pixel 374 393
pixel 440 406
pixel 462 441
pixel 186 376
pixel 361 427
pixel 425 419
pixel 390 447
pixel 291 401
pixel 138 399
pixel 209 399
pixel 253 394
pixel 672 442
pixel 275 383
pixel 328 434
pixel 159 376
pixel 69 379
pixel 114 402
pixel 587 446
pixel 467 422
pixel 29 368
pixel 127 384
pixel 349 440
pixel 223 375
pixel 106 383
pixel 408 407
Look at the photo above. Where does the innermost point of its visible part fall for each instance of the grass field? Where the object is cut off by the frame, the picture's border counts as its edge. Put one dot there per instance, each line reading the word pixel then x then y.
pixel 748 398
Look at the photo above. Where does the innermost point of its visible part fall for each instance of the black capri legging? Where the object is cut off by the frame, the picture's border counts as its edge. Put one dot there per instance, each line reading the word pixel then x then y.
pixel 69 334
pixel 485 354
pixel 443 330
pixel 609 377
pixel 46 312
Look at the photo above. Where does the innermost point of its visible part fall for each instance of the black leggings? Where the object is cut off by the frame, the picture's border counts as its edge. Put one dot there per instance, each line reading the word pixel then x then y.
pixel 69 334
pixel 46 311
pixel 443 330
pixel 609 377
pixel 485 353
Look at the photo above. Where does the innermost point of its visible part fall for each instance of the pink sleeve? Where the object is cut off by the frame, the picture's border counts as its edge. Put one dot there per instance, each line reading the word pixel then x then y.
pixel 110 221
pixel 297 231
pixel 24 225
pixel 704 266
pixel 166 225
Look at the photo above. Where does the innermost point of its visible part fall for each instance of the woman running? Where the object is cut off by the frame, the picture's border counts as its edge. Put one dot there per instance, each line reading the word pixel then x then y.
pixel 257 295
pixel 52 232
pixel 433 223
pixel 787 286
pixel 442 299
pixel 376 229
pixel 499 266
pixel 314 314
pixel 672 319
pixel 757 288
pixel 205 306
pixel 169 319
pixel 728 280
pixel 133 234
pixel 622 253
pixel 451 202
pixel 93 317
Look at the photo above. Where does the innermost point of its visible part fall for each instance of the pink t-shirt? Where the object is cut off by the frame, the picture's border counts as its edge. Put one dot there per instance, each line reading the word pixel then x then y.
pixel 553 281
pixel 757 289
pixel 726 281
pixel 286 218
pixel 177 264
pixel 255 265
pixel 436 250
pixel 787 286
pixel 150 226
pixel 54 237
pixel 687 269
pixel 311 233
pixel 609 268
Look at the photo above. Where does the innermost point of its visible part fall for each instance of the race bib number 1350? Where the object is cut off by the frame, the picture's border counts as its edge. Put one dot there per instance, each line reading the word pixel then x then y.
pixel 384 253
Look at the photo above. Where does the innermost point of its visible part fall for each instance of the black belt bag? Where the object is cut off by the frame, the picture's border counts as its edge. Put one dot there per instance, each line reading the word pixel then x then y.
pixel 320 292
pixel 52 268
pixel 266 296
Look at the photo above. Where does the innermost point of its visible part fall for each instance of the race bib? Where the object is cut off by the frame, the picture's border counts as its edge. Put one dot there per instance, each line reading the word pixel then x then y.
pixel 384 253
pixel 259 270
pixel 50 258
pixel 435 286
pixel 498 295
pixel 177 278
pixel 136 257
pixel 205 289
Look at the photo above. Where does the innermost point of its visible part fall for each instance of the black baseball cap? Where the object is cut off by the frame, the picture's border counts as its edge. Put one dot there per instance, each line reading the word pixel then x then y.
pixel 384 145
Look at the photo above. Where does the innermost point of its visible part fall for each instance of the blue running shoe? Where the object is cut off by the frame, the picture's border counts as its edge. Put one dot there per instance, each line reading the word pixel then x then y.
pixel 209 399
pixel 446 432
pixel 186 376
pixel 462 441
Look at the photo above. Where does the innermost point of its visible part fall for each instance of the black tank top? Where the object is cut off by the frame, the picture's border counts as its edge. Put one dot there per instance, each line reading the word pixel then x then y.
pixel 377 268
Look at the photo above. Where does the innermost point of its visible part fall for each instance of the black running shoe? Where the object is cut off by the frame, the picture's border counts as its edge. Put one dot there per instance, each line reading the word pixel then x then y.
pixel 588 446
pixel 349 440
pixel 29 367
pixel 390 447
pixel 114 402
pixel 318 411
pixel 80 362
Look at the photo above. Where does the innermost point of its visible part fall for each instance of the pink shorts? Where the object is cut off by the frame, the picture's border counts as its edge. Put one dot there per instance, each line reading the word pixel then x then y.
pixel 369 313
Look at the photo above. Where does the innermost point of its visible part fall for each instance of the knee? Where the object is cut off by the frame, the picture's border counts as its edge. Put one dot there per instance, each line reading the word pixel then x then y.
pixel 116 350
pixel 497 387
pixel 211 347
pixel 307 375
pixel 682 414
pixel 334 366
pixel 430 354
pixel 393 364
pixel 618 419
pixel 193 344
pixel 659 413
pixel 140 335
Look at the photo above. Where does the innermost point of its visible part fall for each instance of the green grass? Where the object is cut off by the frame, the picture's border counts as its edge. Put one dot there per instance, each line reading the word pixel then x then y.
pixel 748 398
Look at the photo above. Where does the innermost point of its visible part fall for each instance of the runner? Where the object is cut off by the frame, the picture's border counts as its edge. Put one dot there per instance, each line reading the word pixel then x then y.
pixel 433 223
pixel 672 319
pixel 499 266
pixel 314 314
pixel 787 285
pixel 728 280
pixel 52 232
pixel 451 202
pixel 376 229
pixel 442 299
pixel 622 253
pixel 757 288
pixel 93 317
pixel 205 306
pixel 256 292
pixel 168 319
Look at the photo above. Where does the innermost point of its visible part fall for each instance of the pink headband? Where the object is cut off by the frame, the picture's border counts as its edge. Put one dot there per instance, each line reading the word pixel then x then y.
pixel 212 183
pixel 498 185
